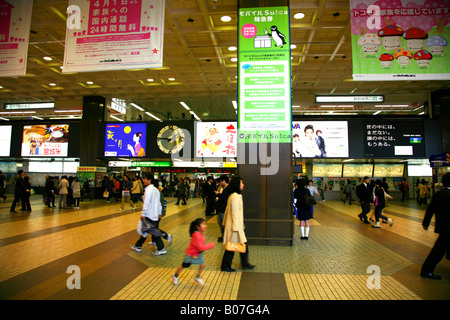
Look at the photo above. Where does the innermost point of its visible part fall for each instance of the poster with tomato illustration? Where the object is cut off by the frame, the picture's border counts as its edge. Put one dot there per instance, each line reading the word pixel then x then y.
pixel 400 39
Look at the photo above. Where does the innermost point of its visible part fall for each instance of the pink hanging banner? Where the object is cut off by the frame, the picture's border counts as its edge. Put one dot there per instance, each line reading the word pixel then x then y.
pixel 15 20
pixel 107 35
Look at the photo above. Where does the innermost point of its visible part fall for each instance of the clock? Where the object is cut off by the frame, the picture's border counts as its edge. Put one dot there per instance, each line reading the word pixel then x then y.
pixel 170 139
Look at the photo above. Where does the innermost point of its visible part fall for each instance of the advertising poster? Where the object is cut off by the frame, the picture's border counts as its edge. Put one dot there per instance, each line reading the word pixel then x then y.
pixel 264 75
pixel 15 21
pixel 358 170
pixel 50 140
pixel 114 35
pixel 394 139
pixel 5 141
pixel 215 139
pixel 320 139
pixel 327 170
pixel 125 140
pixel 388 170
pixel 400 39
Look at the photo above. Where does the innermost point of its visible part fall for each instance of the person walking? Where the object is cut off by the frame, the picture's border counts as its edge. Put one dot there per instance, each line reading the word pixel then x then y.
pixel 2 185
pixel 423 192
pixel 364 195
pixel 19 192
pixel 126 189
pixel 50 191
pixel 404 188
pixel 348 192
pixel 192 189
pixel 27 194
pixel 322 187
pixel 76 193
pixel 87 189
pixel 152 213
pixel 210 196
pixel 181 187
pixel 440 206
pixel 63 187
pixel 221 202
pixel 234 226
pixel 304 211
pixel 194 252
pixel 380 203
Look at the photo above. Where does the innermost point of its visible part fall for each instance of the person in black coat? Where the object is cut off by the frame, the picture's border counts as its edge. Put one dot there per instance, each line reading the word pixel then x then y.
pixel 50 190
pixel 210 195
pixel 221 202
pixel 364 195
pixel 440 205
pixel 304 211
pixel 19 192
pixel 27 194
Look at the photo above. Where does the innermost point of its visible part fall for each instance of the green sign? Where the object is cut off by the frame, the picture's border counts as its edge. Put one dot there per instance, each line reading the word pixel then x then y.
pixel 151 163
pixel 265 112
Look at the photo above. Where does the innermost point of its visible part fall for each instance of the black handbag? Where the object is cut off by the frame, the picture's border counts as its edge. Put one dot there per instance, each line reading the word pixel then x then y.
pixel 310 200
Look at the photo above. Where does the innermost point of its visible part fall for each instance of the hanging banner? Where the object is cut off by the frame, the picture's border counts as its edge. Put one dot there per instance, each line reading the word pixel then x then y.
pixel 264 112
pixel 114 35
pixel 15 20
pixel 400 39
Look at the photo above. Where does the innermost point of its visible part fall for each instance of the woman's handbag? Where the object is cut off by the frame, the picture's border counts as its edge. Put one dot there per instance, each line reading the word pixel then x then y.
pixel 105 194
pixel 310 201
pixel 235 247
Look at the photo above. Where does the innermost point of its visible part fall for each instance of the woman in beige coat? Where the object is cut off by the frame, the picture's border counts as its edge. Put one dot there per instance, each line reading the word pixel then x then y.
pixel 234 225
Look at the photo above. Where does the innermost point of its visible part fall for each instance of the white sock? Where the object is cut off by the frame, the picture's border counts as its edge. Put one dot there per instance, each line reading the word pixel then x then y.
pixel 302 229
pixel 307 231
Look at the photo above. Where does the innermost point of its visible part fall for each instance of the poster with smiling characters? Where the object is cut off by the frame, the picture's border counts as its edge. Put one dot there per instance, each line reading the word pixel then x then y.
pixel 400 39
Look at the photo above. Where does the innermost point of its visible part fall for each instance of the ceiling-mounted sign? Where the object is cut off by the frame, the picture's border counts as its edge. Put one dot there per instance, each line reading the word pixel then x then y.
pixel 30 105
pixel 400 40
pixel 114 35
pixel 350 99
pixel 264 112
pixel 151 164
pixel 15 21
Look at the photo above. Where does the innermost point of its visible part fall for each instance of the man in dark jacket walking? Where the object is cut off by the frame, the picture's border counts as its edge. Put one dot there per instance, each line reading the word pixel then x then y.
pixel 19 192
pixel 363 193
pixel 440 205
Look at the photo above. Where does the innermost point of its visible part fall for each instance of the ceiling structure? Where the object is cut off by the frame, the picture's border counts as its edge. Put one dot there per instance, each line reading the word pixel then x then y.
pixel 198 68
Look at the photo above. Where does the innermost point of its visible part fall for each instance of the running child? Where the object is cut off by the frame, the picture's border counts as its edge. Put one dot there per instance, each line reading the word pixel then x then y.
pixel 194 252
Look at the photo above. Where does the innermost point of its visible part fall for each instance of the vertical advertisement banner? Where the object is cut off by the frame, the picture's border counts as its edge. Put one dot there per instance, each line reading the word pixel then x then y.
pixel 400 39
pixel 265 111
pixel 114 35
pixel 15 21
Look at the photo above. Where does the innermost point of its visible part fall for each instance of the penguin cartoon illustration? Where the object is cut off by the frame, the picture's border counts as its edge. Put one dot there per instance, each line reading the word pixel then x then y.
pixel 277 36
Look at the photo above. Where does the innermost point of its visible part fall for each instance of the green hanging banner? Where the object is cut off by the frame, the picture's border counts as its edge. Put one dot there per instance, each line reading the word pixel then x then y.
pixel 265 108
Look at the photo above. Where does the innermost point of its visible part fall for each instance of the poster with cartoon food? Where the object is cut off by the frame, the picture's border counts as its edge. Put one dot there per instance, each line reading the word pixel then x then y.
pixel 216 139
pixel 49 140
pixel 400 39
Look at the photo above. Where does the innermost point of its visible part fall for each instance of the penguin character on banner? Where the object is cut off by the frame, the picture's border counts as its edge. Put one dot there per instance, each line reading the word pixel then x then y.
pixel 277 36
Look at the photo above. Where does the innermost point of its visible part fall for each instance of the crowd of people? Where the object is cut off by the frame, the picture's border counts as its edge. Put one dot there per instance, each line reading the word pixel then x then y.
pixel 223 198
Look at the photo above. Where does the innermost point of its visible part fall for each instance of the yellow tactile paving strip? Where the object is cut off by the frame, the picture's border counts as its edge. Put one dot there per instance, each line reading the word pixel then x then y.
pixel 344 287
pixel 156 284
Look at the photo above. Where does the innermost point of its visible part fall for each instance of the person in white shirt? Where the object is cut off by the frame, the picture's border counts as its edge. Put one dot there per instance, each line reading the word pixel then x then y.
pixel 151 211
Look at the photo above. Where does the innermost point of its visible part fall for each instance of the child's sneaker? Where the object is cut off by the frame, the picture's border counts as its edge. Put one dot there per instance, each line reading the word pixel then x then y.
pixel 159 252
pixel 174 279
pixel 137 249
pixel 199 281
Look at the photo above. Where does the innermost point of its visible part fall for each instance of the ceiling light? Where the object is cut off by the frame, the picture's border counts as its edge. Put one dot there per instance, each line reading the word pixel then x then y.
pixel 234 59
pixel 377 112
pixel 35 117
pixel 52 84
pixel 185 105
pixel 48 58
pixel 348 160
pixel 1 87
pixel 232 48
pixel 234 104
pixel 89 82
pixel 154 117
pixel 295 106
pixel 68 110
pixel 16 112
pixel 196 117
pixel 150 80
pixel 293 46
pixel 299 15
pixel 421 113
pixel 114 117
pixel 225 18
pixel 400 106
pixel 136 106
pixel 171 79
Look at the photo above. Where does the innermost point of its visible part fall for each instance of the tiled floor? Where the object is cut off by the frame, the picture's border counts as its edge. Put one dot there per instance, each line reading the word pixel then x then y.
pixel 36 250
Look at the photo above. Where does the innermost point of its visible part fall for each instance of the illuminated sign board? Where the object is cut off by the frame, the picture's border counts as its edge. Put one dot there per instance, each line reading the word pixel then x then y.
pixel 349 99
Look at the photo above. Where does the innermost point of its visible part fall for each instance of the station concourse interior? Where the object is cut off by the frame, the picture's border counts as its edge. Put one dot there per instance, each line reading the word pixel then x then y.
pixel 172 116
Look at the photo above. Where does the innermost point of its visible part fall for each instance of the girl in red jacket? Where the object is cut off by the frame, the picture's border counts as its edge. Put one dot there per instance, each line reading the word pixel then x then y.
pixel 194 252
